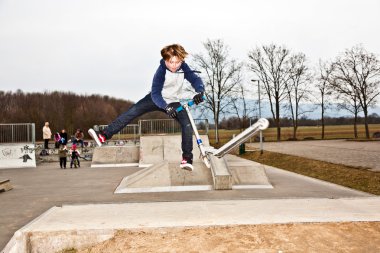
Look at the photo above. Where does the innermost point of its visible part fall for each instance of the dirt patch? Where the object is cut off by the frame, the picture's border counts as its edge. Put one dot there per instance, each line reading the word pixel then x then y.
pixel 301 237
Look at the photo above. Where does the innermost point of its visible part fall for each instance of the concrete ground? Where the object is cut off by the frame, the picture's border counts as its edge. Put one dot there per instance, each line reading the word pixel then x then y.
pixel 347 152
pixel 38 189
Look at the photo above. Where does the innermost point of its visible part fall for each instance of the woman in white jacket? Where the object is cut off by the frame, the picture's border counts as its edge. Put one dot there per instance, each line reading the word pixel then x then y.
pixel 46 134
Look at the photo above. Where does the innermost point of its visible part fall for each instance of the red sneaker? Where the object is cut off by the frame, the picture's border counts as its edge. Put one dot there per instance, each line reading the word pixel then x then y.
pixel 98 138
pixel 186 165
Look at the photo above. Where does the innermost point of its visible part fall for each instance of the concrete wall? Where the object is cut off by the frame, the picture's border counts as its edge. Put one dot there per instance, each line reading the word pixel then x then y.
pixel 21 155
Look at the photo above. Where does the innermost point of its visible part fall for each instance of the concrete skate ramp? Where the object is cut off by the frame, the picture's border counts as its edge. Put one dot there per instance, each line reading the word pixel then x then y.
pixel 247 174
pixel 115 156
pixel 20 155
pixel 155 149
pixel 161 156
pixel 167 177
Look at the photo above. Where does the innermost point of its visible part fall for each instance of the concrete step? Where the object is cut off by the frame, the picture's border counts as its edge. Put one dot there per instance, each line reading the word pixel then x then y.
pixel 115 156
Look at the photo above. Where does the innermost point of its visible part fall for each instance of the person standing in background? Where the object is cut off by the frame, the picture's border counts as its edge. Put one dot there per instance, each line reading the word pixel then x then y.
pixel 64 139
pixel 46 135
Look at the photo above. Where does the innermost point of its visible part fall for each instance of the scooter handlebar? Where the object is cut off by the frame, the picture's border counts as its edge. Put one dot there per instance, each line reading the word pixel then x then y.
pixel 189 103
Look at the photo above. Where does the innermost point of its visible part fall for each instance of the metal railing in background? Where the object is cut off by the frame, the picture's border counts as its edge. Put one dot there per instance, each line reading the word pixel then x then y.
pixel 153 126
pixel 169 126
pixel 18 133
pixel 130 132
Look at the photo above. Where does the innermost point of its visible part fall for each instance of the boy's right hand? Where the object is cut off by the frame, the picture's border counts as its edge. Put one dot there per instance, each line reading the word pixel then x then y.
pixel 171 111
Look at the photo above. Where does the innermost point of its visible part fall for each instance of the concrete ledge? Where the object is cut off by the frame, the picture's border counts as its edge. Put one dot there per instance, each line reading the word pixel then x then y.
pixel 65 227
pixel 166 189
pixel 221 176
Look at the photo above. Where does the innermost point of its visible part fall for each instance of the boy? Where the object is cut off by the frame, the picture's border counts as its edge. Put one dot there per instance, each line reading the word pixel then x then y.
pixel 167 89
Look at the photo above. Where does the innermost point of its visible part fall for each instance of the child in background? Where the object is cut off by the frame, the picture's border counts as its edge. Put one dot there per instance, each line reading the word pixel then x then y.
pixel 57 139
pixel 63 156
pixel 75 154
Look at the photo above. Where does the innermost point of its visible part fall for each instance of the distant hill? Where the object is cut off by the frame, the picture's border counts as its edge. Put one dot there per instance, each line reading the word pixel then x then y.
pixel 63 110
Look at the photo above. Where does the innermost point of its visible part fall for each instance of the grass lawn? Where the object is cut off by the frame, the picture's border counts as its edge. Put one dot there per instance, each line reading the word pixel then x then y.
pixel 353 177
pixel 313 132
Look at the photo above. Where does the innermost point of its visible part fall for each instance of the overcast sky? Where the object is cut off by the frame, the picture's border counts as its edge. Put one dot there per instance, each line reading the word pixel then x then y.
pixel 113 47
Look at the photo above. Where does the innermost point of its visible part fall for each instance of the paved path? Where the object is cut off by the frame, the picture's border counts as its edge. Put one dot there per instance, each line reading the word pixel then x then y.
pixel 353 153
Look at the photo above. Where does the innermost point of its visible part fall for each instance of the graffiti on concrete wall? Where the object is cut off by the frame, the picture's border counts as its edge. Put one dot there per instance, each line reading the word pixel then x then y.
pixel 17 155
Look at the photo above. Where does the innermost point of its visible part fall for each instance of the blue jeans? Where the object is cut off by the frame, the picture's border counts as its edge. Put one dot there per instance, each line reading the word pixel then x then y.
pixel 147 105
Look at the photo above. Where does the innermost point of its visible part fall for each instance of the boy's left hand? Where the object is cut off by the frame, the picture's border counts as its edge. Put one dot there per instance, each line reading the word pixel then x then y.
pixel 198 98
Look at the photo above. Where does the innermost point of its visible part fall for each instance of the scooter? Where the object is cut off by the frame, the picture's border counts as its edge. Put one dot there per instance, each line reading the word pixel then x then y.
pixel 260 125
pixel 195 130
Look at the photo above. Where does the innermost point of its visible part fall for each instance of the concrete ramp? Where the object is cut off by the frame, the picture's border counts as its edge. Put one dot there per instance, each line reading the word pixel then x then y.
pixel 247 174
pixel 160 155
pixel 115 156
pixel 167 177
pixel 232 172
pixel 21 155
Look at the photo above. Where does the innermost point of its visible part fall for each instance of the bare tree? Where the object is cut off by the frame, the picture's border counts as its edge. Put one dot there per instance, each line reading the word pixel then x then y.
pixel 222 76
pixel 352 105
pixel 324 90
pixel 298 88
pixel 357 74
pixel 345 95
pixel 240 105
pixel 270 64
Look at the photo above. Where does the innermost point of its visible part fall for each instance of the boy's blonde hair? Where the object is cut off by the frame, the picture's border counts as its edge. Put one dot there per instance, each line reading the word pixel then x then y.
pixel 173 50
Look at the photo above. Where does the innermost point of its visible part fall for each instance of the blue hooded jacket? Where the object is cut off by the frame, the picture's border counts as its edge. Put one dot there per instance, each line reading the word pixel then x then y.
pixel 165 81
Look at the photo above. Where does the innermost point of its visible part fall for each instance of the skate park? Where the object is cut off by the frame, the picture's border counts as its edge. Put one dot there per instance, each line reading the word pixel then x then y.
pixel 139 186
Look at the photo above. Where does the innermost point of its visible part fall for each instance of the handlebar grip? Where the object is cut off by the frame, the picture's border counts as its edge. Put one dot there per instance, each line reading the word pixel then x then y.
pixel 190 103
